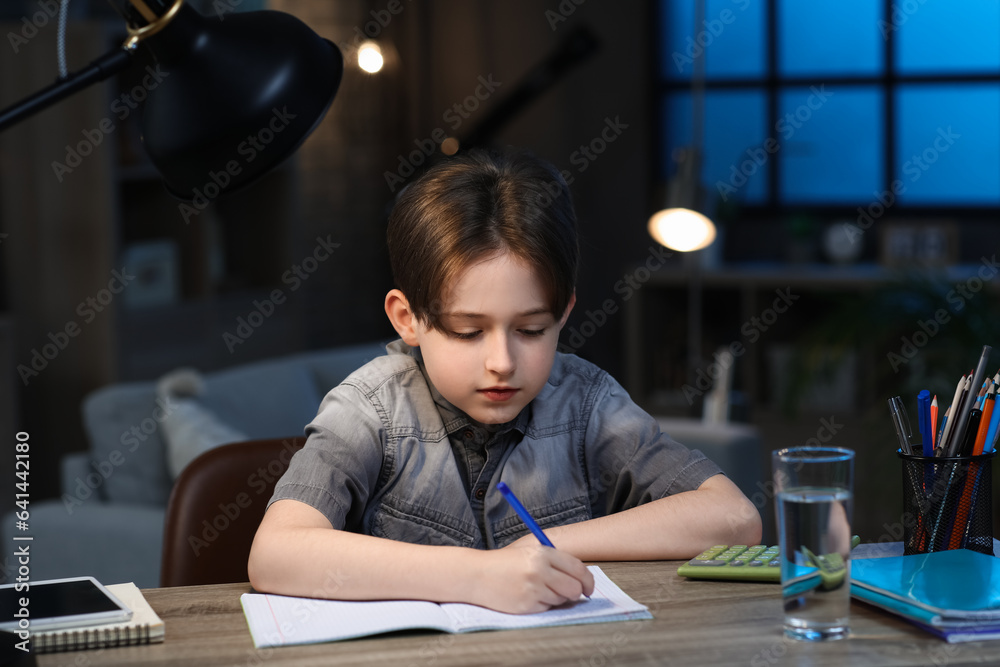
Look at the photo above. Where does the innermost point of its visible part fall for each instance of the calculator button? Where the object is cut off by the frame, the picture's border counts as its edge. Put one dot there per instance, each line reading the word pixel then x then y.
pixel 711 552
pixel 710 563
pixel 773 563
pixel 755 563
pixel 736 563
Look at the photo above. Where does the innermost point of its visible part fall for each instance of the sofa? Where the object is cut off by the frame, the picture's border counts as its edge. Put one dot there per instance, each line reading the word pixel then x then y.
pixel 108 522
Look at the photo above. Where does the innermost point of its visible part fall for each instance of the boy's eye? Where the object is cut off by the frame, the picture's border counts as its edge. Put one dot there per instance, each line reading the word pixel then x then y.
pixel 532 332
pixel 468 335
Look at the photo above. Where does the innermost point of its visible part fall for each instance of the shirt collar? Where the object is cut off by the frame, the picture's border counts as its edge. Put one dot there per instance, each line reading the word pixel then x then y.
pixel 455 419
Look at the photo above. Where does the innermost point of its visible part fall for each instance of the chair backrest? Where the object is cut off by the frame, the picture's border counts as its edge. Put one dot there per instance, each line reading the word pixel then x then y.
pixel 214 510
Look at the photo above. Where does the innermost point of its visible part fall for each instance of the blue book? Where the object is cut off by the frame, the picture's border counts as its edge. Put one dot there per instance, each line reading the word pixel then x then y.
pixel 945 589
pixel 953 632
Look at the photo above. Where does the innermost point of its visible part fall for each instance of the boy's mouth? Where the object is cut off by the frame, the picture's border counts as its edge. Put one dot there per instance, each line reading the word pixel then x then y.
pixel 498 393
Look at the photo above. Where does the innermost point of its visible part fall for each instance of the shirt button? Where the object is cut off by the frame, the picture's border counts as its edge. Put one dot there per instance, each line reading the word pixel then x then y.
pixel 480 493
pixel 467 434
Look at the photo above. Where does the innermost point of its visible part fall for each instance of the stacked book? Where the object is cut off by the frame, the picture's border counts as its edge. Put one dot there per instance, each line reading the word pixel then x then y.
pixel 952 594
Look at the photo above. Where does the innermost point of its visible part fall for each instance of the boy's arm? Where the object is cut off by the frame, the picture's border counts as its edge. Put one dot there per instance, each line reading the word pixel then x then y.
pixel 675 527
pixel 297 552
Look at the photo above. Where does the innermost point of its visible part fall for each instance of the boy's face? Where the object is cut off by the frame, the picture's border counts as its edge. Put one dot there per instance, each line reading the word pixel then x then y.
pixel 499 340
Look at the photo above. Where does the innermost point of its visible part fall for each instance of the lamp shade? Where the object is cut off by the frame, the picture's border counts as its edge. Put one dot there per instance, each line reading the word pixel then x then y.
pixel 679 225
pixel 682 229
pixel 236 96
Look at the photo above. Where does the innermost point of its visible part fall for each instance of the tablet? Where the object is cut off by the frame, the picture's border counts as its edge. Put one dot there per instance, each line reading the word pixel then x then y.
pixel 59 603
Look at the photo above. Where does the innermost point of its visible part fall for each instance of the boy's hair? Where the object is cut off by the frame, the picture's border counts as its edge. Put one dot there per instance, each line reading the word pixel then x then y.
pixel 476 206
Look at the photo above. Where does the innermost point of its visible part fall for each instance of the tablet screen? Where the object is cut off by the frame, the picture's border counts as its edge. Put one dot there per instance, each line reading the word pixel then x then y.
pixel 63 600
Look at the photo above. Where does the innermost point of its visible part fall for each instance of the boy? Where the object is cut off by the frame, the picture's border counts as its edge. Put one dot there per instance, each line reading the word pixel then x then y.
pixel 394 494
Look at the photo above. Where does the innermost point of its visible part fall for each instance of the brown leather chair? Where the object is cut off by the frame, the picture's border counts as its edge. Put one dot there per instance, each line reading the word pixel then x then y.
pixel 214 510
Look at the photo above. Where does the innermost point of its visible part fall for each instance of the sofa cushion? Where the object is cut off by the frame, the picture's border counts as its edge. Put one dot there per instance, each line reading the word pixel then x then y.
pixel 124 426
pixel 191 430
pixel 331 367
pixel 271 399
pixel 267 399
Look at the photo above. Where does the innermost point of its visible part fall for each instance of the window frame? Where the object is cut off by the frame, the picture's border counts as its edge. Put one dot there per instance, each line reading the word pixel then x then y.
pixel 889 82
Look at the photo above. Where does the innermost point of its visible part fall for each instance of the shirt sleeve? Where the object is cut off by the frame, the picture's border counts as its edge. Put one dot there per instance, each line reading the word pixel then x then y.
pixel 630 461
pixel 337 469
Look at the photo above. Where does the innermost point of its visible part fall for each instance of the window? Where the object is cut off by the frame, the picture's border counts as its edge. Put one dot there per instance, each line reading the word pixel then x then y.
pixel 827 105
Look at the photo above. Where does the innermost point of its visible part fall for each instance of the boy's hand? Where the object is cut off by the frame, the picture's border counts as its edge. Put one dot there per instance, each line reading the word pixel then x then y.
pixel 525 578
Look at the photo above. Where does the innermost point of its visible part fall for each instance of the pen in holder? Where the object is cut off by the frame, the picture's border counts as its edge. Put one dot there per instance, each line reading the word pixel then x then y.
pixel 947 503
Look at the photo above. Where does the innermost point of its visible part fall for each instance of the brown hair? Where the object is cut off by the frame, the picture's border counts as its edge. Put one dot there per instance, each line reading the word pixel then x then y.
pixel 475 206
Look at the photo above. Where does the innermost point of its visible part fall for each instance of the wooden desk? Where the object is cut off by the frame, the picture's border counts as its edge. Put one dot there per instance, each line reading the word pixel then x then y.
pixel 696 623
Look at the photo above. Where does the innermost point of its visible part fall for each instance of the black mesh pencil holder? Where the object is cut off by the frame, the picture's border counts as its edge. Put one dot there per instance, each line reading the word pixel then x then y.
pixel 947 503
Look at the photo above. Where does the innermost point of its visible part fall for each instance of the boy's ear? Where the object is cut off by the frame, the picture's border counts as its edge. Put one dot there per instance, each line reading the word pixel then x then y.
pixel 569 309
pixel 401 316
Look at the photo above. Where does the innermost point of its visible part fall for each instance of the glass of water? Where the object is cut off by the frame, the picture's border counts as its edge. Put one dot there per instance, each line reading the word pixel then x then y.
pixel 814 501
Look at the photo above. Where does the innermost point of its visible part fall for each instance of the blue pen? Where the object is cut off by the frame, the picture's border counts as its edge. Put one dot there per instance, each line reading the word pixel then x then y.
pixel 525 517
pixel 924 421
pixel 523 513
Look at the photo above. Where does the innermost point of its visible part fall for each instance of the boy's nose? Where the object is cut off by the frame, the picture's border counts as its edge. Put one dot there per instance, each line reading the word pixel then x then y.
pixel 499 357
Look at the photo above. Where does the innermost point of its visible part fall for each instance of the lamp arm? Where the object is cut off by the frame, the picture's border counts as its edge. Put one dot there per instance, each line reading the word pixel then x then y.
pixel 104 67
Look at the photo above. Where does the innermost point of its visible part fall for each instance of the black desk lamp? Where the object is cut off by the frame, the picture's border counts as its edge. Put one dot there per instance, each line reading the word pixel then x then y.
pixel 239 94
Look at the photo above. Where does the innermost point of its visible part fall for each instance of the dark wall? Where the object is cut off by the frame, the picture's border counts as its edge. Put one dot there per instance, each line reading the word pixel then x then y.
pixel 593 122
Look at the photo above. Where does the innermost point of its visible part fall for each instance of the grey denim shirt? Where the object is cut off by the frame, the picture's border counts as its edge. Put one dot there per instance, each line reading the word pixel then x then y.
pixel 387 455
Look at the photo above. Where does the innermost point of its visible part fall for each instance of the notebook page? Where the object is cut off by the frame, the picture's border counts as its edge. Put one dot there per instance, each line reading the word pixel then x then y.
pixel 278 620
pixel 608 603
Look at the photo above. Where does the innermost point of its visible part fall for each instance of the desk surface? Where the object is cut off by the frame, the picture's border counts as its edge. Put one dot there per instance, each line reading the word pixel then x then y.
pixel 696 623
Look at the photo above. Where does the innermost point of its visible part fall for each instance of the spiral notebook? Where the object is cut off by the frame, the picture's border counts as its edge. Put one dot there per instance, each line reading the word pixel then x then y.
pixel 278 620
pixel 144 628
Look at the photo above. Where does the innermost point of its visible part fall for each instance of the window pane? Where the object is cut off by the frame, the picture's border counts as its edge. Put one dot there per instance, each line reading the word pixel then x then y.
pixel 735 131
pixel 732 37
pixel 948 144
pixel 829 37
pixel 831 144
pixel 945 36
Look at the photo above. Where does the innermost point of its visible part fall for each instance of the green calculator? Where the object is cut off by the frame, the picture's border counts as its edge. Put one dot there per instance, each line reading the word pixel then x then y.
pixel 735 563
pixel 758 563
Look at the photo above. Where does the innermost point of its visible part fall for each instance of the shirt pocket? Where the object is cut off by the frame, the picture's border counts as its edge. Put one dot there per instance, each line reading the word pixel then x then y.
pixel 399 520
pixel 562 513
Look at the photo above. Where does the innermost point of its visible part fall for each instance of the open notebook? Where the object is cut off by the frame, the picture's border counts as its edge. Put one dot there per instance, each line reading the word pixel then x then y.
pixel 278 620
